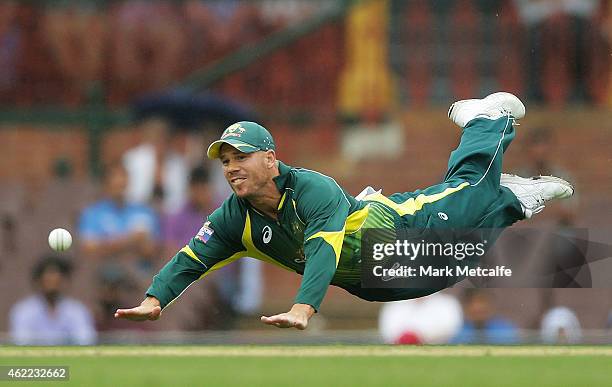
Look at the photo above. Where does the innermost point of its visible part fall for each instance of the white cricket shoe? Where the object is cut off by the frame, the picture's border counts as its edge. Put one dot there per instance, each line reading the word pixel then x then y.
pixel 535 191
pixel 493 106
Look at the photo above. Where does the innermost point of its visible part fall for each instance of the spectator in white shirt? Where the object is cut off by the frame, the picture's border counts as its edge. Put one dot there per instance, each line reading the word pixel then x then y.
pixel 49 317
pixel 157 166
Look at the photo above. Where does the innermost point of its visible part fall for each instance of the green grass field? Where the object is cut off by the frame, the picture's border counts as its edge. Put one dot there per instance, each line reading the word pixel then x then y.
pixel 320 365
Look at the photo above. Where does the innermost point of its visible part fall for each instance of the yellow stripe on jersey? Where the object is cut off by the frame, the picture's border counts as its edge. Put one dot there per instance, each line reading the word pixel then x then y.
pixel 356 220
pixel 282 201
pixel 252 251
pixel 412 205
pixel 187 250
pixel 333 238
pixel 223 263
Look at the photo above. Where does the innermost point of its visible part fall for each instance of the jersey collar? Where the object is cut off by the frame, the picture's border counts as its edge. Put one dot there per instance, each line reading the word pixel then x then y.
pixel 281 180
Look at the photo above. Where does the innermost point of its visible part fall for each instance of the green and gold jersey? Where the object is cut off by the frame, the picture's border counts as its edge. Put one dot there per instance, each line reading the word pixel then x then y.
pixel 317 234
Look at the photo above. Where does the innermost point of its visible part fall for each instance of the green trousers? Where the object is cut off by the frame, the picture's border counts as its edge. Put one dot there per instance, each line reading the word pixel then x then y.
pixel 470 195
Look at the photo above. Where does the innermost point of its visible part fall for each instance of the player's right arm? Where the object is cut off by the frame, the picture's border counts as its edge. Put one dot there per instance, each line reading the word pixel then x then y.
pixel 181 271
pixel 209 247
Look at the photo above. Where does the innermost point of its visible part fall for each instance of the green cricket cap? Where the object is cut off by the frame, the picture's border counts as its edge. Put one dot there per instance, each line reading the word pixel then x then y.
pixel 246 136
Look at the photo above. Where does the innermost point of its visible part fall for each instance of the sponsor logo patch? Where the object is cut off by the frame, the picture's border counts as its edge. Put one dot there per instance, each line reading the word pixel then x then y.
pixel 233 131
pixel 205 232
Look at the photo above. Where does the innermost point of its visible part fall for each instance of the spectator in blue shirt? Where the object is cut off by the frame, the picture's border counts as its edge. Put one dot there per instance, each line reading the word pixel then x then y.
pixel 481 325
pixel 119 237
pixel 116 230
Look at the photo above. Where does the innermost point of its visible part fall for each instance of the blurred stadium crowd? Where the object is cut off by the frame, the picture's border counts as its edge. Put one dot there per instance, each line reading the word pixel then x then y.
pixel 57 51
pixel 382 72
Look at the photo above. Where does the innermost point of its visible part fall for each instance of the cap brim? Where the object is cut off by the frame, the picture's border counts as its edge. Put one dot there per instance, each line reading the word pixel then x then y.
pixel 215 148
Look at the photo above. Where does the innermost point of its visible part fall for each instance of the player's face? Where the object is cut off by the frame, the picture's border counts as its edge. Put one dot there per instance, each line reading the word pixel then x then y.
pixel 246 173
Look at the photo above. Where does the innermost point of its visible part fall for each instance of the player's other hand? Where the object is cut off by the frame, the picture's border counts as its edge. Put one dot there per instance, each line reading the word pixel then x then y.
pixel 149 309
pixel 297 317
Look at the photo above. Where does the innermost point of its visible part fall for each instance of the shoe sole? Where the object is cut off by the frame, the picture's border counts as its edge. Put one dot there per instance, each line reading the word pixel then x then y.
pixel 515 179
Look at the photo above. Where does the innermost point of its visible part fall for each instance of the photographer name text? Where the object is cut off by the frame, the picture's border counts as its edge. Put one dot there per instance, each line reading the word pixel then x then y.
pixel 398 271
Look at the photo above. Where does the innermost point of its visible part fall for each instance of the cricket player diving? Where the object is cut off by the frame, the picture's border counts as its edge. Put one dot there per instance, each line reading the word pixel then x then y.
pixel 303 221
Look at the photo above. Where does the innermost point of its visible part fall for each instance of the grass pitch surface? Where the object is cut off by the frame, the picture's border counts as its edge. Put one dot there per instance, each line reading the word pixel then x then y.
pixel 315 366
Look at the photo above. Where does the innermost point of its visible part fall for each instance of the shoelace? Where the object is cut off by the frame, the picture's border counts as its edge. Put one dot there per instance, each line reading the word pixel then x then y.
pixel 540 200
pixel 509 113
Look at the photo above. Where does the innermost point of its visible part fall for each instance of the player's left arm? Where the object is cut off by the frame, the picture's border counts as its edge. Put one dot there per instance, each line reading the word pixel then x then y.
pixel 324 208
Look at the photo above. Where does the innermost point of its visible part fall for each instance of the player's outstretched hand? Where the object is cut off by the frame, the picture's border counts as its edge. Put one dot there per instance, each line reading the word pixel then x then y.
pixel 285 320
pixel 297 317
pixel 149 309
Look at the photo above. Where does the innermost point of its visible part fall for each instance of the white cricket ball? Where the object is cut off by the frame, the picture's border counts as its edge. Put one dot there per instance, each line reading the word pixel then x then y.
pixel 60 239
